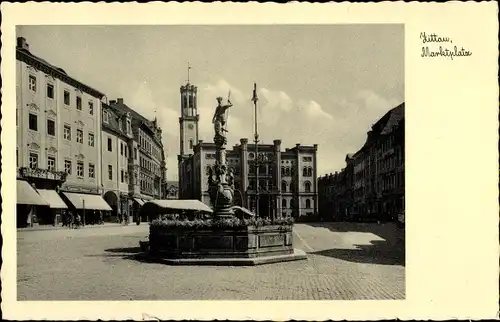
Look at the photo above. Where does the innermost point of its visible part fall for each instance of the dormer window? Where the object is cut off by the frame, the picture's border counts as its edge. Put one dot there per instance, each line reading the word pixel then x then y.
pixel 105 116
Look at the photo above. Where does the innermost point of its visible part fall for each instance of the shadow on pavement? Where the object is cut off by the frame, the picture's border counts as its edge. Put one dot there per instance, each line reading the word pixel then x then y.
pixel 389 251
pixel 126 250
pixel 377 253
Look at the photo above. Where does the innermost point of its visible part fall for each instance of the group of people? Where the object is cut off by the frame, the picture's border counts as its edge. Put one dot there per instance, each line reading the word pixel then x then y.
pixel 73 219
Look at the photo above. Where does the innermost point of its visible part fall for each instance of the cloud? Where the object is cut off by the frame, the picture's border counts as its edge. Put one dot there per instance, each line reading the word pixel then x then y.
pixel 338 128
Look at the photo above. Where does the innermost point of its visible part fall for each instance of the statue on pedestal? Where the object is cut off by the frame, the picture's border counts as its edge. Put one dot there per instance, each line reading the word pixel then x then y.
pixel 219 120
pixel 221 190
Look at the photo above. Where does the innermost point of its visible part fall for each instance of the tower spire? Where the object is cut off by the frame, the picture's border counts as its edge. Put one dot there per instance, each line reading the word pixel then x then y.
pixel 189 67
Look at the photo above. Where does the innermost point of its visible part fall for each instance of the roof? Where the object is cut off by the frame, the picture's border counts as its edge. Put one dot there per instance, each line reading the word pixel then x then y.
pixel 395 116
pixel 26 56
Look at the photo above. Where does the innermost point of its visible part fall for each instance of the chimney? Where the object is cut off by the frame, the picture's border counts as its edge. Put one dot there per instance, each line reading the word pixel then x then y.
pixel 112 102
pixel 120 100
pixel 22 44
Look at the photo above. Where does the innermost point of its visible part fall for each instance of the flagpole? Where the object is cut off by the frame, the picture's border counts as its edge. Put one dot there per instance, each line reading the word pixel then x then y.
pixel 256 141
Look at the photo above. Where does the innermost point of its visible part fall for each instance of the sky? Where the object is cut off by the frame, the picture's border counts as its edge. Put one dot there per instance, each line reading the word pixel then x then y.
pixel 317 84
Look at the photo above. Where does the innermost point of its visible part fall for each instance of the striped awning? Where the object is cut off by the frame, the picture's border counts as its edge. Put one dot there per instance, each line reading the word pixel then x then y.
pixel 52 198
pixel 27 195
pixel 139 201
pixel 85 201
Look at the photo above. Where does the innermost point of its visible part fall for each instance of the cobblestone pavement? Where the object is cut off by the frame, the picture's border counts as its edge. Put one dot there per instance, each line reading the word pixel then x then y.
pixel 345 262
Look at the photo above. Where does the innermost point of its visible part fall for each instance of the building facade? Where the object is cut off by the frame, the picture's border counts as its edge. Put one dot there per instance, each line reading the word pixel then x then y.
pixel 133 163
pixel 371 186
pixel 58 128
pixel 79 153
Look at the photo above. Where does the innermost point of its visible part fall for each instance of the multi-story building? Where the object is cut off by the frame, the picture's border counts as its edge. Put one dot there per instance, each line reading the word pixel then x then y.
pixel 335 193
pixel 133 163
pixel 371 186
pixel 58 136
pixel 286 180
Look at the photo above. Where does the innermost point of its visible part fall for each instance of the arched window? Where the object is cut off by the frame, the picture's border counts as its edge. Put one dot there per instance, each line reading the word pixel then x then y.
pixel 292 203
pixel 292 171
pixel 307 186
pixel 304 172
pixel 283 171
pixel 262 184
pixel 283 186
pixel 208 170
pixel 308 203
pixel 191 144
pixel 309 172
pixel 283 203
pixel 287 171
pixel 292 186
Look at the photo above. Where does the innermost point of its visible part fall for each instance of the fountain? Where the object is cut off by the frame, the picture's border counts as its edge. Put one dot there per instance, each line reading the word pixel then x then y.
pixel 224 239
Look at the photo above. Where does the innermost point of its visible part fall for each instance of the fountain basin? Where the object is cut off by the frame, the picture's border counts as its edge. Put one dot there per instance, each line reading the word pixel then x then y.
pixel 248 245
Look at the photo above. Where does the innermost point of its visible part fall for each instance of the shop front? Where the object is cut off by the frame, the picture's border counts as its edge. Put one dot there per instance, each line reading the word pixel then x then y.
pixel 90 207
pixel 28 204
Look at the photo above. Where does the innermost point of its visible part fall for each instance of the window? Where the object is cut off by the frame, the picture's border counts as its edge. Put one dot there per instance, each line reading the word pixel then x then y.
pixel 283 203
pixel 79 169
pixel 91 108
pixel 307 186
pixel 33 122
pixel 33 160
pixel 110 145
pixel 91 170
pixel 51 127
pixel 121 148
pixel 79 136
pixel 283 186
pixel 135 153
pixel 32 83
pixel 122 176
pixel 105 116
pixel 67 166
pixel 126 150
pixel 78 103
pixel 51 163
pixel 287 172
pixel 309 172
pixel 91 139
pixel 190 144
pixel 110 172
pixel 66 98
pixel 50 91
pixel 67 132
pixel 304 172
pixel 282 171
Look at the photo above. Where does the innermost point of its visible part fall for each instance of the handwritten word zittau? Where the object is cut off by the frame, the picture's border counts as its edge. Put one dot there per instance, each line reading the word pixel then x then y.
pixel 433 38
pixel 445 52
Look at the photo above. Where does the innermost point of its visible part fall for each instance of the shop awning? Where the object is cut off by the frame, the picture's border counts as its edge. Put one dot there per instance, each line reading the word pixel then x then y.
pixel 52 198
pixel 93 202
pixel 194 205
pixel 139 201
pixel 27 195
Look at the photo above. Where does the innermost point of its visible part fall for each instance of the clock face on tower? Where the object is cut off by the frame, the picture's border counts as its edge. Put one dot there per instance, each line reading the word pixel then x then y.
pixel 190 126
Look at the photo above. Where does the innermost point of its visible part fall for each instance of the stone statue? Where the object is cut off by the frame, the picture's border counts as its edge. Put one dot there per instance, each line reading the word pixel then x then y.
pixel 230 178
pixel 219 119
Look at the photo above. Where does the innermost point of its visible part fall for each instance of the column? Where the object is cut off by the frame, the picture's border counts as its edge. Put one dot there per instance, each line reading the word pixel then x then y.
pixel 277 176
pixel 315 179
pixel 244 171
